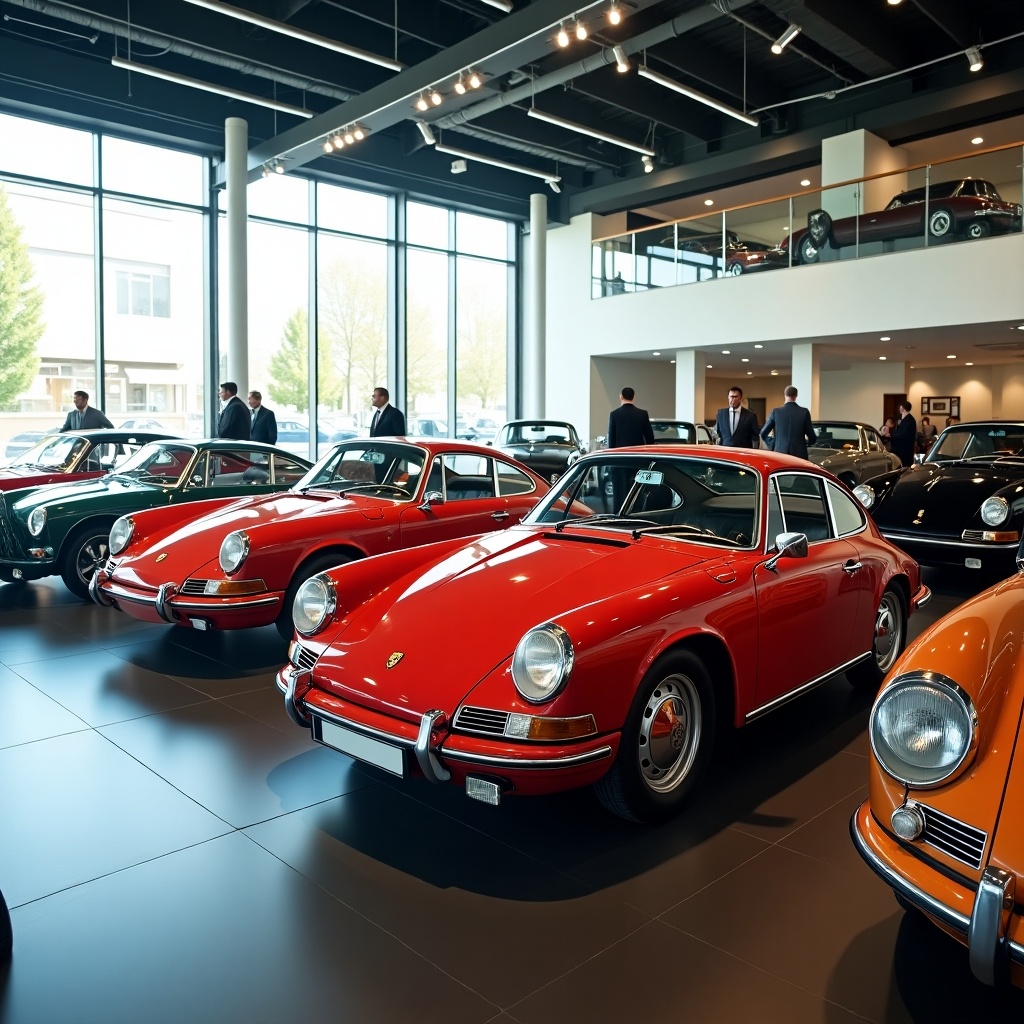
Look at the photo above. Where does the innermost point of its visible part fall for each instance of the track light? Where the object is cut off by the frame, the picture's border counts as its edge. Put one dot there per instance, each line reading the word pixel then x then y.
pixel 562 37
pixel 428 135
pixel 592 132
pixel 786 38
pixel 648 164
pixel 327 146
pixel 581 31
pixel 614 14
pixel 359 132
pixel 895 3
pixel 685 90
pixel 265 171
pixel 279 167
pixel 435 97
pixel 621 60
pixel 421 103
pixel 338 141
pixel 349 138
pixel 494 162
pixel 460 87
pixel 475 81
pixel 553 185
pixel 974 58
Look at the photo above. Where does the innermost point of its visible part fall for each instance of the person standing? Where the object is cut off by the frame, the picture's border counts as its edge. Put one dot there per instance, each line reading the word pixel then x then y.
pixel 234 416
pixel 84 416
pixel 262 421
pixel 629 424
pixel 736 426
pixel 905 435
pixel 791 426
pixel 387 420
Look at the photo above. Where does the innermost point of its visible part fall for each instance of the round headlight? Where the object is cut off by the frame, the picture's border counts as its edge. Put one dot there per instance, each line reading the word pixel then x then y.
pixel 121 534
pixel 234 549
pixel 36 521
pixel 315 603
pixel 994 511
pixel 542 663
pixel 864 494
pixel 922 728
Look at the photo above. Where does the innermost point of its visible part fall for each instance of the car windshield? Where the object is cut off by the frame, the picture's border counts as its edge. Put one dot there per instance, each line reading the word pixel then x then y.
pixel 57 453
pixel 978 440
pixel 385 469
pixel 701 500
pixel 836 435
pixel 673 430
pixel 944 190
pixel 536 433
pixel 158 463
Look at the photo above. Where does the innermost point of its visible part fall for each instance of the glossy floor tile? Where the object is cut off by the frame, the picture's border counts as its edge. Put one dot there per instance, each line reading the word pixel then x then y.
pixel 174 849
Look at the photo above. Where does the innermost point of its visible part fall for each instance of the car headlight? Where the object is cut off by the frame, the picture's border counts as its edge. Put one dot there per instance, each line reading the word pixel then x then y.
pixel 36 521
pixel 994 511
pixel 315 603
pixel 865 494
pixel 234 549
pixel 121 534
pixel 542 663
pixel 922 729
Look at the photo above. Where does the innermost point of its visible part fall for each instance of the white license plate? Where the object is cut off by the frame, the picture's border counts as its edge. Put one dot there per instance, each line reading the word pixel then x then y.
pixel 198 623
pixel 362 748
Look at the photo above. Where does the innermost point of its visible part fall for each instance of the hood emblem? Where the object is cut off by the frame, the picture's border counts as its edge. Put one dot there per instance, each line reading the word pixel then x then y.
pixel 395 658
pixel 160 558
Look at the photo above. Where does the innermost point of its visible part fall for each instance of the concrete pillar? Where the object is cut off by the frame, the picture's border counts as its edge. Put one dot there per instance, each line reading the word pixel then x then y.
pixel 806 376
pixel 858 154
pixel 236 287
pixel 534 320
pixel 690 374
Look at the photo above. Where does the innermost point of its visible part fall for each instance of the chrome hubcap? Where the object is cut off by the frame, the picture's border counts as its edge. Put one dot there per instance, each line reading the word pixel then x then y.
pixel 91 556
pixel 670 732
pixel 888 632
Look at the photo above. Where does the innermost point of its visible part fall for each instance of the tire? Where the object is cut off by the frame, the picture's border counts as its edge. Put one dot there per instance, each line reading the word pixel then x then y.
pixel 734 270
pixel 318 564
pixel 940 223
pixel 890 637
pixel 84 551
pixel 978 229
pixel 656 771
pixel 807 250
pixel 6 934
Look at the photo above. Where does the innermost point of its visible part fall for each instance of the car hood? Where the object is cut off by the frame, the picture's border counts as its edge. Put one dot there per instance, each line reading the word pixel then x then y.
pixel 463 617
pixel 941 497
pixel 821 455
pixel 28 476
pixel 82 490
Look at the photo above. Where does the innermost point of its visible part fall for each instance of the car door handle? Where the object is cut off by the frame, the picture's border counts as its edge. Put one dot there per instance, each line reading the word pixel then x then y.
pixel 500 516
pixel 851 567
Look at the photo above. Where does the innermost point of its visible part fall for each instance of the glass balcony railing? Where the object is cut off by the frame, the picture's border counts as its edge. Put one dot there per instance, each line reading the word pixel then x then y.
pixel 964 199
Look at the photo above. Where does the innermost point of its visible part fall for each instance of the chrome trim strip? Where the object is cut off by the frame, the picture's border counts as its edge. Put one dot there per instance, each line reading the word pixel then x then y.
pixel 425 756
pixel 925 599
pixel 792 694
pixel 235 603
pixel 511 762
pixel 303 721
pixel 951 541
pixel 163 601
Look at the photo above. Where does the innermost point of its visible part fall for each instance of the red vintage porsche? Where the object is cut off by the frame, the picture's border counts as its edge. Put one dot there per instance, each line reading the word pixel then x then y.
pixel 603 645
pixel 241 562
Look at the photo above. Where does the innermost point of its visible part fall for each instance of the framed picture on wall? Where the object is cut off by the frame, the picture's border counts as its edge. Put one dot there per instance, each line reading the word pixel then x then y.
pixel 945 405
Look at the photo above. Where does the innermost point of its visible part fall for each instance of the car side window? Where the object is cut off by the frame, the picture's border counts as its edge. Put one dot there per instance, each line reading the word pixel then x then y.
pixel 468 478
pixel 286 471
pixel 803 505
pixel 847 513
pixel 512 480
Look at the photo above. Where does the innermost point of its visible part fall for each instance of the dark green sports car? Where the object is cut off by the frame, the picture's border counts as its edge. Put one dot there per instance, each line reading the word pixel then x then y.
pixel 63 528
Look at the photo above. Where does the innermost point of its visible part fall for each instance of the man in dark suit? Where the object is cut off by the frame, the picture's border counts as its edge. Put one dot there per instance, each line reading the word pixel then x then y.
pixel 736 426
pixel 387 420
pixel 629 424
pixel 791 425
pixel 904 436
pixel 234 417
pixel 262 422
pixel 84 416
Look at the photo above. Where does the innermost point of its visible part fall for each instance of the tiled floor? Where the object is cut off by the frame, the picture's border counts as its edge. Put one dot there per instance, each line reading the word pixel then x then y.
pixel 174 849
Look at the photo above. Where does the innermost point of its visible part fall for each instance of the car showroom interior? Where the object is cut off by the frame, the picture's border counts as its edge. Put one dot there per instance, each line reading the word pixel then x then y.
pixel 511 511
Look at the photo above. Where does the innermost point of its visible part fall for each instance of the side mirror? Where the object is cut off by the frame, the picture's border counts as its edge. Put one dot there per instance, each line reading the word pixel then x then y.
pixel 197 480
pixel 792 545
pixel 432 498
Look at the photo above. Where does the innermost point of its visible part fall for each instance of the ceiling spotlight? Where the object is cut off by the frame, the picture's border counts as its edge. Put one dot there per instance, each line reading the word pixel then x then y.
pixel 775 373
pixel 951 357
pixel 421 103
pixel 460 87
pixel 648 163
pixel 895 3
pixel 968 364
pixel 581 31
pixel 555 187
pixel 458 166
pixel 349 137
pixel 279 167
pixel 435 97
pixel 786 38
pixel 759 346
pixel 709 202
pixel 710 366
pixel 359 132
pixel 562 37
pixel 882 358
pixel 475 81
pixel 428 135
pixel 614 14
pixel 977 140
pixel 885 337
pixel 621 60
pixel 338 141
pixel 655 353
pixel 266 171
pixel 328 146
pixel 744 360
pixel 973 55
pixel 805 182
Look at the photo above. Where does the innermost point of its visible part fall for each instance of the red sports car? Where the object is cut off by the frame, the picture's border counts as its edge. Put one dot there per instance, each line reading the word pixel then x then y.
pixel 240 564
pixel 603 648
pixel 78 453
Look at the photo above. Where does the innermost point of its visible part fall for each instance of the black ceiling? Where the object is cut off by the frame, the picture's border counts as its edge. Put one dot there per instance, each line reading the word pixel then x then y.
pixel 896 70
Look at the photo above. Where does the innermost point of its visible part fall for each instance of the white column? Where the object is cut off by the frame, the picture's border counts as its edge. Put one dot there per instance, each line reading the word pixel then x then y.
pixel 236 287
pixel 858 154
pixel 535 291
pixel 806 374
pixel 690 373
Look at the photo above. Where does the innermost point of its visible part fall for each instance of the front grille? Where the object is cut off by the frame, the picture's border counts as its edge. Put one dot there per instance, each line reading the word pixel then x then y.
pixel 972 535
pixel 301 658
pixel 8 545
pixel 962 842
pixel 109 567
pixel 482 720
pixel 194 587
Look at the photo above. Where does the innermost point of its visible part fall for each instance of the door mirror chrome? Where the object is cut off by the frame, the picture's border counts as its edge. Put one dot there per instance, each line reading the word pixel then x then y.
pixel 197 480
pixel 790 545
pixel 432 498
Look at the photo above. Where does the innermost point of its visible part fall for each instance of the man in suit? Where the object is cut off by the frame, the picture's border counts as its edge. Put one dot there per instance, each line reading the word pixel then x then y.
pixel 83 416
pixel 629 424
pixel 736 426
pixel 904 437
pixel 262 422
pixel 234 416
pixel 387 420
pixel 791 426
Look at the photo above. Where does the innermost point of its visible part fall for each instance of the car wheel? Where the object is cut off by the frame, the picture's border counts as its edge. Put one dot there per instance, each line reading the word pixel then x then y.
pixel 6 935
pixel 734 269
pixel 321 563
pixel 978 229
pixel 808 251
pixel 85 551
pixel 887 643
pixel 666 742
pixel 940 223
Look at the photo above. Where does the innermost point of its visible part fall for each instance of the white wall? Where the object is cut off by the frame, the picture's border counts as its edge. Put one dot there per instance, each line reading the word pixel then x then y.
pixel 654 384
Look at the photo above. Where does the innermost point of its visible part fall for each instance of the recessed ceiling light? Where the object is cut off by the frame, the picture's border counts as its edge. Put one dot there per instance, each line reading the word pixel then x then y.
pixel 759 346
pixel 883 358
pixel 709 202
pixel 671 360
pixel 775 373
pixel 885 337
pixel 977 140
pixel 805 182
pixel 656 353
pixel 968 364
pixel 951 357
pixel 750 373
pixel 709 367
pixel 726 352
pixel 1021 328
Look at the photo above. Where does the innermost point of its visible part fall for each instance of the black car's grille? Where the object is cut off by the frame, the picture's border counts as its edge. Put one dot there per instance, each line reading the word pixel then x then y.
pixel 482 720
pixel 9 548
pixel 301 657
pixel 962 842
pixel 194 587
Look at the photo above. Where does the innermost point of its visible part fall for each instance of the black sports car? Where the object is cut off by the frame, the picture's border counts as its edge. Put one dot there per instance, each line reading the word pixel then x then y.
pixel 962 506
pixel 546 446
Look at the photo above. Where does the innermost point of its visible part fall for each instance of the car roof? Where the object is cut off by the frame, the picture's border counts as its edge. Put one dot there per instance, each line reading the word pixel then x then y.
pixel 753 458
pixel 538 423
pixel 121 434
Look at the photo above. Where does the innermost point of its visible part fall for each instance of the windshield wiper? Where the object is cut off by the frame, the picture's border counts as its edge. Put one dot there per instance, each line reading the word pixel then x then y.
pixel 602 518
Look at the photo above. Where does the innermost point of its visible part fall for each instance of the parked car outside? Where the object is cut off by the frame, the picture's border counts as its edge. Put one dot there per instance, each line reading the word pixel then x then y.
pixel 20 443
pixel 942 824
pixel 293 436
pixel 963 505
pixel 965 208
pixel 145 424
pixel 623 640
pixel 81 454
pixel 546 446
pixel 241 565
pixel 63 528
pixel 854 452
pixel 427 426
